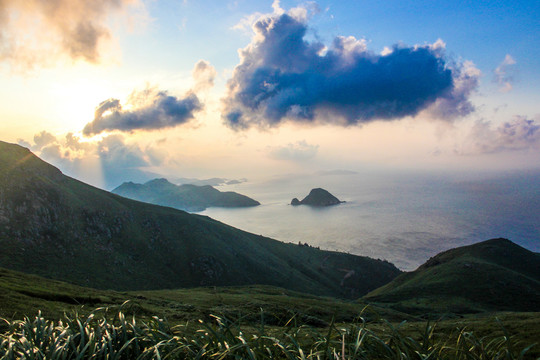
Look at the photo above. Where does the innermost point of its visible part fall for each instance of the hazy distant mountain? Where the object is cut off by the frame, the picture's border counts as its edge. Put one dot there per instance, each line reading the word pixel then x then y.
pixel 336 172
pixel 492 275
pixel 61 228
pixel 211 181
pixel 184 197
pixel 317 197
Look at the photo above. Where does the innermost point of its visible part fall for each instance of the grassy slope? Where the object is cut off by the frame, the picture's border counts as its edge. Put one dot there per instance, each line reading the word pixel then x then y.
pixel 60 228
pixel 493 275
pixel 24 294
pixel 523 327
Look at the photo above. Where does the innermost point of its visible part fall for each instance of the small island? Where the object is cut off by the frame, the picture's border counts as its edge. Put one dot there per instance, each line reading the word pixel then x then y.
pixel 317 197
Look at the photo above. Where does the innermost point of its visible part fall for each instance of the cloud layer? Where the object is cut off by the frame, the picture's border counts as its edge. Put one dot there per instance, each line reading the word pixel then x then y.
pixel 152 109
pixel 34 31
pixel 282 76
pixel 518 134
pixel 106 163
pixel 299 151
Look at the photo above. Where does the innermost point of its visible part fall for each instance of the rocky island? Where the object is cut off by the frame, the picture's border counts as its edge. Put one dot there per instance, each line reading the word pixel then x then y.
pixel 318 197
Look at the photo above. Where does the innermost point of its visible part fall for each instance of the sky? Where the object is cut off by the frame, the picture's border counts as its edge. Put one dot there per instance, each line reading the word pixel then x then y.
pixel 119 90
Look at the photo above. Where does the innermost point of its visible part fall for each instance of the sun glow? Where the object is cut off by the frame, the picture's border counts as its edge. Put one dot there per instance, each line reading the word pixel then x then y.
pixel 77 100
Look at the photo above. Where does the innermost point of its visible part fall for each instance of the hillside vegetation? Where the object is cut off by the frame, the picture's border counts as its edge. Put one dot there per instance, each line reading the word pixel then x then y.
pixel 494 275
pixel 25 294
pixel 203 320
pixel 57 227
pixel 102 336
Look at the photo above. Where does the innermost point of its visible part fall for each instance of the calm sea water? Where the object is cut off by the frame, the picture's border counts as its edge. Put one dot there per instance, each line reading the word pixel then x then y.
pixel 403 218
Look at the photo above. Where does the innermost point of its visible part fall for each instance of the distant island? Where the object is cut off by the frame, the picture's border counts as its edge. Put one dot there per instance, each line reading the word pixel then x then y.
pixel 212 181
pixel 187 197
pixel 317 197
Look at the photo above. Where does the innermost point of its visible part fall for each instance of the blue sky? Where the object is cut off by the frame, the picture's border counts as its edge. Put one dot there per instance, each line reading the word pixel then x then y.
pixel 481 31
pixel 137 62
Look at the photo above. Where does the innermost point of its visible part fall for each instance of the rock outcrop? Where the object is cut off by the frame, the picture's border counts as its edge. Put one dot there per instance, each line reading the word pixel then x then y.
pixel 317 197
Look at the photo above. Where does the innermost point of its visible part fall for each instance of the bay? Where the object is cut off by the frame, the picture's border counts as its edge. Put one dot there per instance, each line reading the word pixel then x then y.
pixel 402 217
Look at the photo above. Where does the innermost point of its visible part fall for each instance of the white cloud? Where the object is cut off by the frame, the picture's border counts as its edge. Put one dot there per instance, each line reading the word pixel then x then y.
pixel 457 104
pixel 204 75
pixel 518 134
pixel 504 74
pixel 299 151
pixel 36 33
pixel 105 163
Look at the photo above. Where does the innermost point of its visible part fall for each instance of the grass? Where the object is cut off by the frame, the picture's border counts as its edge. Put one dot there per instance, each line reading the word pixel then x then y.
pixel 102 335
pixel 22 294
pixel 254 310
pixel 494 275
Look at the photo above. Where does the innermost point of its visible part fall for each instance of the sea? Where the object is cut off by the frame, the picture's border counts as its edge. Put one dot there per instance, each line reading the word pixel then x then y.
pixel 399 216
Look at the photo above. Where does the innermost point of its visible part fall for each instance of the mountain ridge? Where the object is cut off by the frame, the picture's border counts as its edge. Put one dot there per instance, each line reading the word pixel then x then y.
pixel 188 197
pixel 58 227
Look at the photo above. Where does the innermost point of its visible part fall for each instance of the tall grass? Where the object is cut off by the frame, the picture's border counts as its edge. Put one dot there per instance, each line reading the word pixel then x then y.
pixel 101 336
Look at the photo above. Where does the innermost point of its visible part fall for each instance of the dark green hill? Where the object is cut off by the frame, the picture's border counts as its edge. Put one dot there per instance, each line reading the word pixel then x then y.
pixel 24 294
pixel 317 197
pixel 61 228
pixel 488 276
pixel 184 197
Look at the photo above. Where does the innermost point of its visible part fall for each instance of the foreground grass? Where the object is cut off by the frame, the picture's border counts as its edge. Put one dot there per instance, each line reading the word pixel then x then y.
pixel 106 335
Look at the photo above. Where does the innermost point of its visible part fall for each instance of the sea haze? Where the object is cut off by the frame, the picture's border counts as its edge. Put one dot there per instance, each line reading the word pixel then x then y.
pixel 400 217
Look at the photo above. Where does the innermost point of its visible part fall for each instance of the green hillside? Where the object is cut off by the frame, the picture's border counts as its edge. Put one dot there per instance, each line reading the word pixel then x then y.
pixel 184 197
pixel 57 227
pixel 25 294
pixel 201 317
pixel 494 275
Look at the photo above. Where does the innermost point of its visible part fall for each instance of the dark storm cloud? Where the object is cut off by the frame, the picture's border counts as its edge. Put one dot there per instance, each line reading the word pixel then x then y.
pixel 283 76
pixel 153 110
